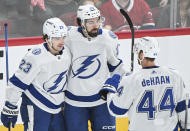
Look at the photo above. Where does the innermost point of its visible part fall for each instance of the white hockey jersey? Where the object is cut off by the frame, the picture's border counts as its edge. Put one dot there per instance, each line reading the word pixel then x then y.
pixel 93 61
pixel 154 99
pixel 43 78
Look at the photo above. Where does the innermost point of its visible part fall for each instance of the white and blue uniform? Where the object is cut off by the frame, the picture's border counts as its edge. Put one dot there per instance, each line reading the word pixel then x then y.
pixel 93 61
pixel 154 98
pixel 42 78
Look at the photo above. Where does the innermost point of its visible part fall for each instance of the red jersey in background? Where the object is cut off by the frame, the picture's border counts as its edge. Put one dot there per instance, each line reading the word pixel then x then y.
pixel 138 10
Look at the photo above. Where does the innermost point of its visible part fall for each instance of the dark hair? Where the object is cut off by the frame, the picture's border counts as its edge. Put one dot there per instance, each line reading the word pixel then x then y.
pixel 150 59
pixel 45 37
pixel 78 21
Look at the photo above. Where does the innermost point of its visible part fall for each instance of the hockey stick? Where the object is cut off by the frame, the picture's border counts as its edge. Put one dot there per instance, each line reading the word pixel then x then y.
pixel 132 35
pixel 7 62
pixel 6 50
pixel 186 110
pixel 1 55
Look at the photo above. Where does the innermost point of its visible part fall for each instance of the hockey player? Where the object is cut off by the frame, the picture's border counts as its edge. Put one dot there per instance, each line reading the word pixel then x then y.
pixel 154 97
pixel 94 58
pixel 41 79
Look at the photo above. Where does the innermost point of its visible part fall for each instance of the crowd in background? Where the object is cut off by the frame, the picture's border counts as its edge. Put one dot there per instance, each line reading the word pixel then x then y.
pixel 25 17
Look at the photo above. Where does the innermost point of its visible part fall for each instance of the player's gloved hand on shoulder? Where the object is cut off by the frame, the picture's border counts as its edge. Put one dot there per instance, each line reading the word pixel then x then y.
pixel 9 114
pixel 110 85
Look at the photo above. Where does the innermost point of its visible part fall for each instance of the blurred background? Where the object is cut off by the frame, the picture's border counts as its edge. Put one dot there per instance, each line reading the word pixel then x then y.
pixel 26 17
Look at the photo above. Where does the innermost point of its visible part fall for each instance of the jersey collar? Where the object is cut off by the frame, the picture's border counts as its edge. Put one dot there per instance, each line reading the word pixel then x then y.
pixel 150 67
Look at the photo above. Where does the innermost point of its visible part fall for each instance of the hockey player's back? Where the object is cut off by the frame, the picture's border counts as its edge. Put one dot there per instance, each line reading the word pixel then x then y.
pixel 153 97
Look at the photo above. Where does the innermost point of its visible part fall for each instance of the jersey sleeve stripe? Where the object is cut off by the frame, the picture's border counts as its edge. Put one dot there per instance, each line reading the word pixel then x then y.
pixel 181 106
pixel 112 68
pixel 117 110
pixel 18 83
pixel 91 98
pixel 42 99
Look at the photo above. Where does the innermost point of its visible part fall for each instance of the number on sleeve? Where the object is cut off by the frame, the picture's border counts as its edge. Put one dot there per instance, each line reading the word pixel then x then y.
pixel 25 66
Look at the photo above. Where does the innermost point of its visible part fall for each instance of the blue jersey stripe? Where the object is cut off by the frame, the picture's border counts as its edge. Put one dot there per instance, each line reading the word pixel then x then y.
pixel 181 106
pixel 112 68
pixel 176 128
pixel 91 98
pixel 42 99
pixel 117 110
pixel 17 82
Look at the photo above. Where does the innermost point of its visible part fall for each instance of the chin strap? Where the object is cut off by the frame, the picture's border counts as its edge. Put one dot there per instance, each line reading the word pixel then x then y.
pixel 84 30
pixel 140 60
pixel 51 44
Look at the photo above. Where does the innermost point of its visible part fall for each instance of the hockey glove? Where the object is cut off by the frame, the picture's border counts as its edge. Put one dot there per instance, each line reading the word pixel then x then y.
pixel 110 85
pixel 9 114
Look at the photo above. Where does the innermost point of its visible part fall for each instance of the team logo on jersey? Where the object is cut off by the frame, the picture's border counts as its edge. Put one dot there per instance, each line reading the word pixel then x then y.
pixel 86 66
pixel 56 83
pixel 36 51
pixel 61 27
pixel 92 9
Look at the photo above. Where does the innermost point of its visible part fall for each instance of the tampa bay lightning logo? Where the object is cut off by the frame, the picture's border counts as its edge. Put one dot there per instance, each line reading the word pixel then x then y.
pixel 56 83
pixel 86 66
pixel 92 9
pixel 36 51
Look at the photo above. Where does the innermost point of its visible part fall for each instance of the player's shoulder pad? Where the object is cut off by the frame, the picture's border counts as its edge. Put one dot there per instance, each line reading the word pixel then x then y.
pixel 35 55
pixel 171 70
pixel 35 51
pixel 112 35
pixel 174 70
pixel 71 30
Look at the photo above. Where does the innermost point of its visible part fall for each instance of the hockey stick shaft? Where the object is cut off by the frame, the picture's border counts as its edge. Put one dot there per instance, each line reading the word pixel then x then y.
pixel 186 110
pixel 132 35
pixel 7 62
pixel 6 50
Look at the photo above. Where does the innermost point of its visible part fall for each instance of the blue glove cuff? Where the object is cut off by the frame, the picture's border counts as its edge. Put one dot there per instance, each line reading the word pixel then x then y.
pixel 109 88
pixel 113 81
pixel 10 106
